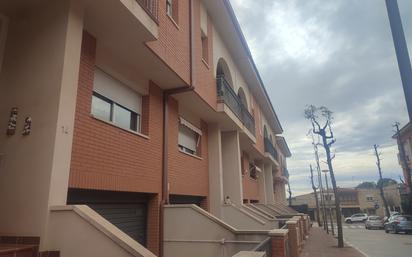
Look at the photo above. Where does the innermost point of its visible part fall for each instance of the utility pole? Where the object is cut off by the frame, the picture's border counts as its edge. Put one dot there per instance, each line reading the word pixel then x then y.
pixel 322 198
pixel 316 195
pixel 401 50
pixel 380 185
pixel 329 201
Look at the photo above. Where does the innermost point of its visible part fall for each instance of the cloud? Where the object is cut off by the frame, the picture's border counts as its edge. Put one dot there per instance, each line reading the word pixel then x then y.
pixel 334 53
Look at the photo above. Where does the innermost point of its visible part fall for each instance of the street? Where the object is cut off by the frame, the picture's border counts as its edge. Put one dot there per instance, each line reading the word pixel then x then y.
pixel 376 243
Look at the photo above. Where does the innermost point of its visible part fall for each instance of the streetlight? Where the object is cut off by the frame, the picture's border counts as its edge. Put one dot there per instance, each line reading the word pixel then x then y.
pixel 329 201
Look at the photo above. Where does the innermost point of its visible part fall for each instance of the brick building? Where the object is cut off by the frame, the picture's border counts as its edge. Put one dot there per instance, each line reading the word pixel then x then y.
pixel 140 110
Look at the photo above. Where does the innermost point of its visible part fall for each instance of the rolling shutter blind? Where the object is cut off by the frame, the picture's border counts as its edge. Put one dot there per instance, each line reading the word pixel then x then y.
pixel 187 138
pixel 116 91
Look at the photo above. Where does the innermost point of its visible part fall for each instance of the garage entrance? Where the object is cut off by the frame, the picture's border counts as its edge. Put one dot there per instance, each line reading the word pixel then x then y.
pixel 127 211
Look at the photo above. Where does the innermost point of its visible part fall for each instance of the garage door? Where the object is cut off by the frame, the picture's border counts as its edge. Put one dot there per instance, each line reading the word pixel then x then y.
pixel 130 218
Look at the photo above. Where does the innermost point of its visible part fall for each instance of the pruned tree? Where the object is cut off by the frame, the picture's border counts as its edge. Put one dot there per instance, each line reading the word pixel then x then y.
pixel 318 116
pixel 380 181
pixel 315 188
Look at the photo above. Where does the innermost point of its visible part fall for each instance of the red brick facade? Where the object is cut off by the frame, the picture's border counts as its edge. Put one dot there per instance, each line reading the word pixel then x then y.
pixel 183 167
pixel 174 43
pixel 250 185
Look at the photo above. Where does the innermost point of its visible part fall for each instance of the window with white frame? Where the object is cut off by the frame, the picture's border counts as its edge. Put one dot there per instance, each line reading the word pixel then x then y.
pixel 189 137
pixel 169 7
pixel 369 198
pixel 114 102
pixel 172 10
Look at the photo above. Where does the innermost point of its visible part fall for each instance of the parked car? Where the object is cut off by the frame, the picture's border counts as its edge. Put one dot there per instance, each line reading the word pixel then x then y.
pixel 358 217
pixel 374 222
pixel 399 223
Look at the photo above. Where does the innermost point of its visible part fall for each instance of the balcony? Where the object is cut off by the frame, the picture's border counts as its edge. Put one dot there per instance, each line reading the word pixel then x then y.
pixel 269 148
pixel 227 95
pixel 151 7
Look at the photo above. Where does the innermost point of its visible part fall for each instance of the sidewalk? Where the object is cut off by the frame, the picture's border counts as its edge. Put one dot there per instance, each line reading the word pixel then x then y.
pixel 320 244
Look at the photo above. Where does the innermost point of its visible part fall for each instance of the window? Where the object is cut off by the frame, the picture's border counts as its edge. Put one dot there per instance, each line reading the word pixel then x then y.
pixel 172 9
pixel 114 102
pixel 105 109
pixel 205 48
pixel 252 171
pixel 369 198
pixel 189 137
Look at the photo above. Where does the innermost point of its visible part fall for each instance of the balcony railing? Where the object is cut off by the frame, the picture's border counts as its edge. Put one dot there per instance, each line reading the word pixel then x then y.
pixel 226 94
pixel 269 148
pixel 151 7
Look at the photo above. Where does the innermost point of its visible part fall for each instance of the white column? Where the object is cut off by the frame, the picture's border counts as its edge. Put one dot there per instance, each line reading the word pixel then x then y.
pixel 270 194
pixel 262 185
pixel 215 170
pixel 232 177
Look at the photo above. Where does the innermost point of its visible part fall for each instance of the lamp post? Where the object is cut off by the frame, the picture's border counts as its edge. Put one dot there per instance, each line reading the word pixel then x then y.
pixel 329 201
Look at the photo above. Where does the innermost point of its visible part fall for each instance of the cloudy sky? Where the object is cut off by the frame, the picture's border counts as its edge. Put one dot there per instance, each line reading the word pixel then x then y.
pixel 335 53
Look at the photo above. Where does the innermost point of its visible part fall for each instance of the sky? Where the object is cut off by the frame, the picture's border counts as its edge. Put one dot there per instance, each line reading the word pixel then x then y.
pixel 338 54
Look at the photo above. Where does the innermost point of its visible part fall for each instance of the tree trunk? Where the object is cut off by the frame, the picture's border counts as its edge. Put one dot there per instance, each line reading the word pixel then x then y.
pixel 316 196
pixel 335 190
pixel 378 163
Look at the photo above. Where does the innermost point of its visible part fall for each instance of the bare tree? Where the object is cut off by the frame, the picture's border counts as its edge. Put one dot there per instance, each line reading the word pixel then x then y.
pixel 316 195
pixel 322 196
pixel 324 115
pixel 380 184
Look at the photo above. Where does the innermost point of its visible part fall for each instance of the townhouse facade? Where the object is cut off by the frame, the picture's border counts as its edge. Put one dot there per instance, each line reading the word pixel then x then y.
pixel 405 140
pixel 129 115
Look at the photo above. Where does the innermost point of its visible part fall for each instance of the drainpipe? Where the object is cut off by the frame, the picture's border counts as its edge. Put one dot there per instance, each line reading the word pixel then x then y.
pixel 165 145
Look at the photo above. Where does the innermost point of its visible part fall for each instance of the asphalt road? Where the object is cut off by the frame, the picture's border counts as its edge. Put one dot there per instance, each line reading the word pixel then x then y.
pixel 376 243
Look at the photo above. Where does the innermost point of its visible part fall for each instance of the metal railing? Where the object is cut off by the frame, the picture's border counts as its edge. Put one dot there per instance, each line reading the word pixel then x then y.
pixel 264 246
pixel 270 148
pixel 151 7
pixel 227 95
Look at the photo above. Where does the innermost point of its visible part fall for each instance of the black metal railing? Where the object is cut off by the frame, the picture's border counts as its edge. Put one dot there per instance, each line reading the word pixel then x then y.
pixel 269 148
pixel 264 246
pixel 151 7
pixel 227 95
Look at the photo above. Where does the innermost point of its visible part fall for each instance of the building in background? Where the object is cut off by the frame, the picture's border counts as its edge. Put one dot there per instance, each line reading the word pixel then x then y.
pixel 354 200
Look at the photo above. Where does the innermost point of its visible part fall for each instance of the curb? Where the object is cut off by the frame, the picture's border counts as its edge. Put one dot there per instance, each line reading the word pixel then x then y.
pixel 354 247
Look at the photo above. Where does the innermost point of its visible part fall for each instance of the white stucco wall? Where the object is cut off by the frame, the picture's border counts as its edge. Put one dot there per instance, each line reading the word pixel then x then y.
pixel 39 77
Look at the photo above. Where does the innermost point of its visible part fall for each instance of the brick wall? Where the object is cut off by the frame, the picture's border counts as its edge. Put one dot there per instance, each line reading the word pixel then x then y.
pixel 188 175
pixel 250 185
pixel 173 44
pixel 105 157
pixel 204 75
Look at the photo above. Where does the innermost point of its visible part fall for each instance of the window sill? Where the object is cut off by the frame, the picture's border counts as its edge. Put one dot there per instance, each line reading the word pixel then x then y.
pixel 114 125
pixel 173 21
pixel 205 63
pixel 191 155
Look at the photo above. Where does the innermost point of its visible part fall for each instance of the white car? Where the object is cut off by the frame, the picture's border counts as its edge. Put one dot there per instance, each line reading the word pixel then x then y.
pixel 358 217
